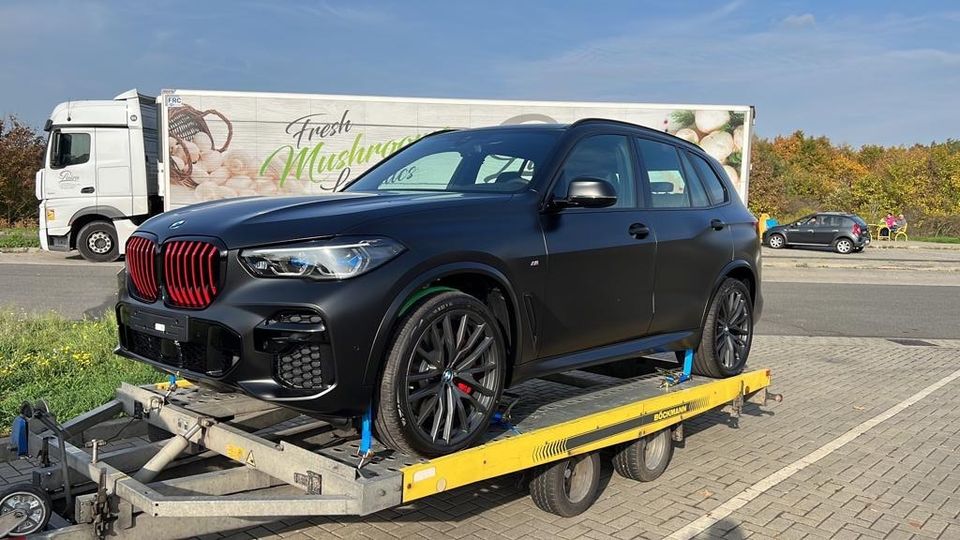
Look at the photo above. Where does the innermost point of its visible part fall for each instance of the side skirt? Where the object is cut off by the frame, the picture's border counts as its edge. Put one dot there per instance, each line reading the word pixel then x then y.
pixel 674 341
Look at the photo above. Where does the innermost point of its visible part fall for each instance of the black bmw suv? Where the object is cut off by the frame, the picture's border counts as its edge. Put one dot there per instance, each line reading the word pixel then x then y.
pixel 464 263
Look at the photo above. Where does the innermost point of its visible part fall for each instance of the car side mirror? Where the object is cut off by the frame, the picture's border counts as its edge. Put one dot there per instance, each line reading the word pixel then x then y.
pixel 586 192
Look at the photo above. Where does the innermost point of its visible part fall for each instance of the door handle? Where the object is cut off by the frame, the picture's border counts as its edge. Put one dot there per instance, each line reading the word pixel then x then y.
pixel 88 189
pixel 717 224
pixel 639 231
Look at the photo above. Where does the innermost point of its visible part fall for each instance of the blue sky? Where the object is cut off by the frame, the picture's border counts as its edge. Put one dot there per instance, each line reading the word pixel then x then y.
pixel 877 72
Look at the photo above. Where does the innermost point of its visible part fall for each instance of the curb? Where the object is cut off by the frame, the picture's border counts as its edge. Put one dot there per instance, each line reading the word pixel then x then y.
pixel 20 250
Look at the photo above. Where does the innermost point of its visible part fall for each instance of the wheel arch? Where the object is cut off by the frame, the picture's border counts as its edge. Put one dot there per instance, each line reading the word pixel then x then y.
pixel 80 220
pixel 739 270
pixel 477 279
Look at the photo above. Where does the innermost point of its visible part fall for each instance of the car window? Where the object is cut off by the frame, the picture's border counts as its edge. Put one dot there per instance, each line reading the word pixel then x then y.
pixel 716 189
pixel 495 160
pixel 70 149
pixel 498 168
pixel 698 196
pixel 606 157
pixel 429 172
pixel 668 187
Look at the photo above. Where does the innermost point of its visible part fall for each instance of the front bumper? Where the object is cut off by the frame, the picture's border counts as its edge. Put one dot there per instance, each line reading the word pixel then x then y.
pixel 245 339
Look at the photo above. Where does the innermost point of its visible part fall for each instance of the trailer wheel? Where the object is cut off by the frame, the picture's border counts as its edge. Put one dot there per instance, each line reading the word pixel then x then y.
pixel 97 242
pixel 567 488
pixel 646 458
pixel 32 501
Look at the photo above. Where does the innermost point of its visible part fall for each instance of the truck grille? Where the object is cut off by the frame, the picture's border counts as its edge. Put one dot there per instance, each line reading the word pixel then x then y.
pixel 191 273
pixel 142 267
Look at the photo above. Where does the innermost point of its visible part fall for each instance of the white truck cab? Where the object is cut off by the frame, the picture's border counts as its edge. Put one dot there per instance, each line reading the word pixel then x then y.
pixel 99 179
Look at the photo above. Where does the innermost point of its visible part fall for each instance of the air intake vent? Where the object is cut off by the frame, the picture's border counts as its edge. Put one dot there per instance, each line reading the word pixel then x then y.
pixel 191 273
pixel 142 267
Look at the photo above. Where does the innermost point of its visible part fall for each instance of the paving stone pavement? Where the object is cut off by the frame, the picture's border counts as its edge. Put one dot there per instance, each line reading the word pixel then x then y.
pixel 899 480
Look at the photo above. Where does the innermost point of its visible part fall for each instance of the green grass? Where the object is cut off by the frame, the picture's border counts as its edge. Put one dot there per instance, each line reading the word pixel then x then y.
pixel 938 239
pixel 70 364
pixel 18 237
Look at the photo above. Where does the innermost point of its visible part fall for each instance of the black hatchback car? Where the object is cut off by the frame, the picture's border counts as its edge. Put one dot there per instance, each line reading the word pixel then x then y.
pixel 466 262
pixel 845 233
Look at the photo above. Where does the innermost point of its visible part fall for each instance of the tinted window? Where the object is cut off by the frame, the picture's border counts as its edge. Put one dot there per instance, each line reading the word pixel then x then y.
pixel 486 160
pixel 498 168
pixel 716 189
pixel 70 149
pixel 698 197
pixel 668 187
pixel 606 157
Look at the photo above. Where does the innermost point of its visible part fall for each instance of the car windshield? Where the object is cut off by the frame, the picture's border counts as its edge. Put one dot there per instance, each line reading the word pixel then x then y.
pixel 502 161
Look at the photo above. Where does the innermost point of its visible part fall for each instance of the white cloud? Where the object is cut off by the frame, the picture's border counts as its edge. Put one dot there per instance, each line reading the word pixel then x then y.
pixel 799 21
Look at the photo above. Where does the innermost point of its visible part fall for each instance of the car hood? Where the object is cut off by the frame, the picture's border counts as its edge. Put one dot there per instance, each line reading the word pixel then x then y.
pixel 253 221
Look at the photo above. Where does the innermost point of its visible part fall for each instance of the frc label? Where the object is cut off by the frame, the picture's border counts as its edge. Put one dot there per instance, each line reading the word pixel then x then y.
pixel 173 101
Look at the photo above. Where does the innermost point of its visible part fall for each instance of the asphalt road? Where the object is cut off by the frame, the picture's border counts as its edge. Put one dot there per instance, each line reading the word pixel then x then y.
pixel 835 302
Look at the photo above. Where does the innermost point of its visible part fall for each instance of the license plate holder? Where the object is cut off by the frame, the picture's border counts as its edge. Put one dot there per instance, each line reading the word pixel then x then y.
pixel 173 326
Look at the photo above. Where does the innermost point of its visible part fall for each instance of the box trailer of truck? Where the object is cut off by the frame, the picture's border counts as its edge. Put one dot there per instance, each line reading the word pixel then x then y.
pixel 113 164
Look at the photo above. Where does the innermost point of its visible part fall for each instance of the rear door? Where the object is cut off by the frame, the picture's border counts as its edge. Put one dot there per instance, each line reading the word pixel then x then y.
pixel 828 226
pixel 693 241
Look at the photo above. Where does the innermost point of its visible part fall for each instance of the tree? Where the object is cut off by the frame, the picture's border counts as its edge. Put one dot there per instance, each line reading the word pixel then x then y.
pixel 21 155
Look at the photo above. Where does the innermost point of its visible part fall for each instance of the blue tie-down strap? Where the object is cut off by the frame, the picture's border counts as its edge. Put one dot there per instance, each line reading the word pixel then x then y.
pixel 687 365
pixel 19 436
pixel 685 372
pixel 366 432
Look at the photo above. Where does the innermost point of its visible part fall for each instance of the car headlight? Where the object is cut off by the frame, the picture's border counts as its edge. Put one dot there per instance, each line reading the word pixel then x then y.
pixel 338 258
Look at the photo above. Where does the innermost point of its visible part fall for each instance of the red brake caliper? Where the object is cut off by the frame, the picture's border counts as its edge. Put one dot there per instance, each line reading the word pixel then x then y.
pixel 465 388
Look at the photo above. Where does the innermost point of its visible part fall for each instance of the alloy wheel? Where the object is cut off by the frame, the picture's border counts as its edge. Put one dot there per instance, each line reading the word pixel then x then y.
pixel 776 241
pixel 452 378
pixel 844 246
pixel 734 328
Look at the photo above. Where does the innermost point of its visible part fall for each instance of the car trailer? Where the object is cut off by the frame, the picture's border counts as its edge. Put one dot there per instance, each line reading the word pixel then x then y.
pixel 220 461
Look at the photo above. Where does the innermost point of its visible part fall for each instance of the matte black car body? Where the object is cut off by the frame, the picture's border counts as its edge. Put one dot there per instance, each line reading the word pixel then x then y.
pixel 572 288
pixel 823 229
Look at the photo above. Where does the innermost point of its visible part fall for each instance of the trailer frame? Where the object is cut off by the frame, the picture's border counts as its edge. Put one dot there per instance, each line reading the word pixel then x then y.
pixel 226 467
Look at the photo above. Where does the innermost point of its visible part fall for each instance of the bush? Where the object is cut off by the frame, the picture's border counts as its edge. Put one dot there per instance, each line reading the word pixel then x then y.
pixel 21 155
pixel 70 364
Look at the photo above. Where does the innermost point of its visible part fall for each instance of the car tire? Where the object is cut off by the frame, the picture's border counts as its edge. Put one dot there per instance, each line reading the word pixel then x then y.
pixel 776 241
pixel 646 458
pixel 843 246
pixel 97 242
pixel 568 487
pixel 727 332
pixel 442 378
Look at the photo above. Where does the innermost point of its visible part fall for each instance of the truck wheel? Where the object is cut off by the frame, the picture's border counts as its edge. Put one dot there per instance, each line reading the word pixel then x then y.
pixel 646 458
pixel 97 242
pixel 27 500
pixel 727 332
pixel 442 378
pixel 568 487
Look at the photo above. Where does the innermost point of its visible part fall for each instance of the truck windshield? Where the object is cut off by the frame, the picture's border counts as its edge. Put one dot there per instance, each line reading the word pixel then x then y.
pixel 502 160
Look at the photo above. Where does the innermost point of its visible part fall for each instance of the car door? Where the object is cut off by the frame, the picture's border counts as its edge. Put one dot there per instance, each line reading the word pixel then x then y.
pixel 601 261
pixel 826 229
pixel 73 174
pixel 693 240
pixel 804 231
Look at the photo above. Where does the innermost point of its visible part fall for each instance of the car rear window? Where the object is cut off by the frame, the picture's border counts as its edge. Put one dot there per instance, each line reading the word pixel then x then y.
pixel 716 189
